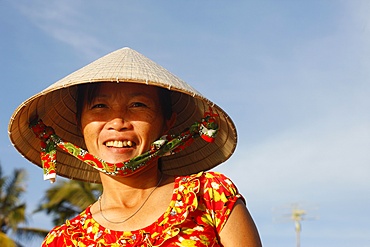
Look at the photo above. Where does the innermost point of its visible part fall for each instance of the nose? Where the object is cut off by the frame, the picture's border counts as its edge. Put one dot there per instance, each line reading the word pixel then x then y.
pixel 118 122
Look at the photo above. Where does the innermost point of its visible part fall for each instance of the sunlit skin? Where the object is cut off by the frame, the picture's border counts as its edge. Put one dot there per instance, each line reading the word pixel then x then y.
pixel 122 121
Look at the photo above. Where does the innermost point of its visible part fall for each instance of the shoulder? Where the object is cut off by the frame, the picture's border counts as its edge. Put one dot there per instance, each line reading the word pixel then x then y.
pixel 216 195
pixel 212 188
pixel 217 177
pixel 214 181
pixel 207 177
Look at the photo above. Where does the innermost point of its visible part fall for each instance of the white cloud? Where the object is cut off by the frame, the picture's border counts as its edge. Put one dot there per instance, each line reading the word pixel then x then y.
pixel 318 157
pixel 64 21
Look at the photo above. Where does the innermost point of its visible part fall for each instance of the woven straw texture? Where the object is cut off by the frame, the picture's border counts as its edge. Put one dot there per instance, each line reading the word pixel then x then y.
pixel 56 106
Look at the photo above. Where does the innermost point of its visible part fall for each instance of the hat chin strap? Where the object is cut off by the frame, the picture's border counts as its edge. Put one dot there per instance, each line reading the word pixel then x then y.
pixel 166 145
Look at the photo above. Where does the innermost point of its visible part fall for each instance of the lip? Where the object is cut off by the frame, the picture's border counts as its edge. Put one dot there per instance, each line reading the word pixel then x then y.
pixel 115 153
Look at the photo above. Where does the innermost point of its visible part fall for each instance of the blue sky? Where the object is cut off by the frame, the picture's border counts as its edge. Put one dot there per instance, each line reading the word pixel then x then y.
pixel 293 75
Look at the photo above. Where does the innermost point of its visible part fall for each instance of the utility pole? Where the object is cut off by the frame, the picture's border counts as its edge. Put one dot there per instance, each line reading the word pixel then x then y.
pixel 297 217
pixel 296 214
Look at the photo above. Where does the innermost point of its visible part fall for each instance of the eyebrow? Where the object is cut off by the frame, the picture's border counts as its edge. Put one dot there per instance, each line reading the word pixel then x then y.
pixel 100 95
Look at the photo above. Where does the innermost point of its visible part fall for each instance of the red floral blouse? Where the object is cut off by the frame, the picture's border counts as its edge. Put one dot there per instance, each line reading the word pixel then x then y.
pixel 200 206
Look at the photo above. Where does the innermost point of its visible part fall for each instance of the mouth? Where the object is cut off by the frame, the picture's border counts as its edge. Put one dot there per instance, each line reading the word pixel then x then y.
pixel 119 144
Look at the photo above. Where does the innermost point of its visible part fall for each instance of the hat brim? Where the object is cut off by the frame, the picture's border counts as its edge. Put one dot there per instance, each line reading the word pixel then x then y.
pixel 56 106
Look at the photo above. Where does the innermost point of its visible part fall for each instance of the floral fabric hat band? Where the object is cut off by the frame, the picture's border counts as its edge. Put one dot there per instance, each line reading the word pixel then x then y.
pixel 166 145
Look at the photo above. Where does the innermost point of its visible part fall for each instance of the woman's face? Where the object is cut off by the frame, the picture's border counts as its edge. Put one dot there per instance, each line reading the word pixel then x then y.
pixel 122 121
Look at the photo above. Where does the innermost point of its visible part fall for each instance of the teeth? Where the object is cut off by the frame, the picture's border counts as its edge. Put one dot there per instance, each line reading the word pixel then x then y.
pixel 118 144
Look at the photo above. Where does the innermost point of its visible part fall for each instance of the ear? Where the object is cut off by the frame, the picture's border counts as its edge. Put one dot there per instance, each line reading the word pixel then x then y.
pixel 169 123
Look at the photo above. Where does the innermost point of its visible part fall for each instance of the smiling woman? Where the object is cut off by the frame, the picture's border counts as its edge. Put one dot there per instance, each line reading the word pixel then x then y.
pixel 124 113
pixel 150 139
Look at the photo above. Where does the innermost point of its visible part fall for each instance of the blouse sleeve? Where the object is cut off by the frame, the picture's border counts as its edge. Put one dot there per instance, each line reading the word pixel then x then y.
pixel 63 236
pixel 220 196
pixel 53 238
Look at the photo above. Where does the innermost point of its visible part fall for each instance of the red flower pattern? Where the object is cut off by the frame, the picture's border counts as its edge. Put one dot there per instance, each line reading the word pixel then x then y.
pixel 200 206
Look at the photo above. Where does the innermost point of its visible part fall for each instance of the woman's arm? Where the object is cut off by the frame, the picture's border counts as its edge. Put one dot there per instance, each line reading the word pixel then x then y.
pixel 240 230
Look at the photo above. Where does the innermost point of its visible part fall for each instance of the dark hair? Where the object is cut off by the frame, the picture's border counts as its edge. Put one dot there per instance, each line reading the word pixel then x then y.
pixel 87 91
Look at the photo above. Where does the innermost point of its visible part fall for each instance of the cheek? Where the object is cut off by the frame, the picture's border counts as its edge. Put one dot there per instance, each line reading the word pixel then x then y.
pixel 89 125
pixel 90 134
pixel 87 136
pixel 148 132
pixel 86 132
pixel 156 130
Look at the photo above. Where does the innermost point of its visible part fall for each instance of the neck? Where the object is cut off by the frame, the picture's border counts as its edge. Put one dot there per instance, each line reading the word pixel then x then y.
pixel 131 189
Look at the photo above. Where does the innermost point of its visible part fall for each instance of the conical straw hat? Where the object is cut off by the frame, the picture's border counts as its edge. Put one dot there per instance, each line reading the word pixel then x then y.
pixel 56 106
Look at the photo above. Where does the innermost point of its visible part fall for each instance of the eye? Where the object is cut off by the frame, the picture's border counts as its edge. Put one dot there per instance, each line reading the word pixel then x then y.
pixel 98 106
pixel 138 104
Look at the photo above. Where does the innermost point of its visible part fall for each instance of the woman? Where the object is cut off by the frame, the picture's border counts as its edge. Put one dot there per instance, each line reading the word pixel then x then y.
pixel 149 138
